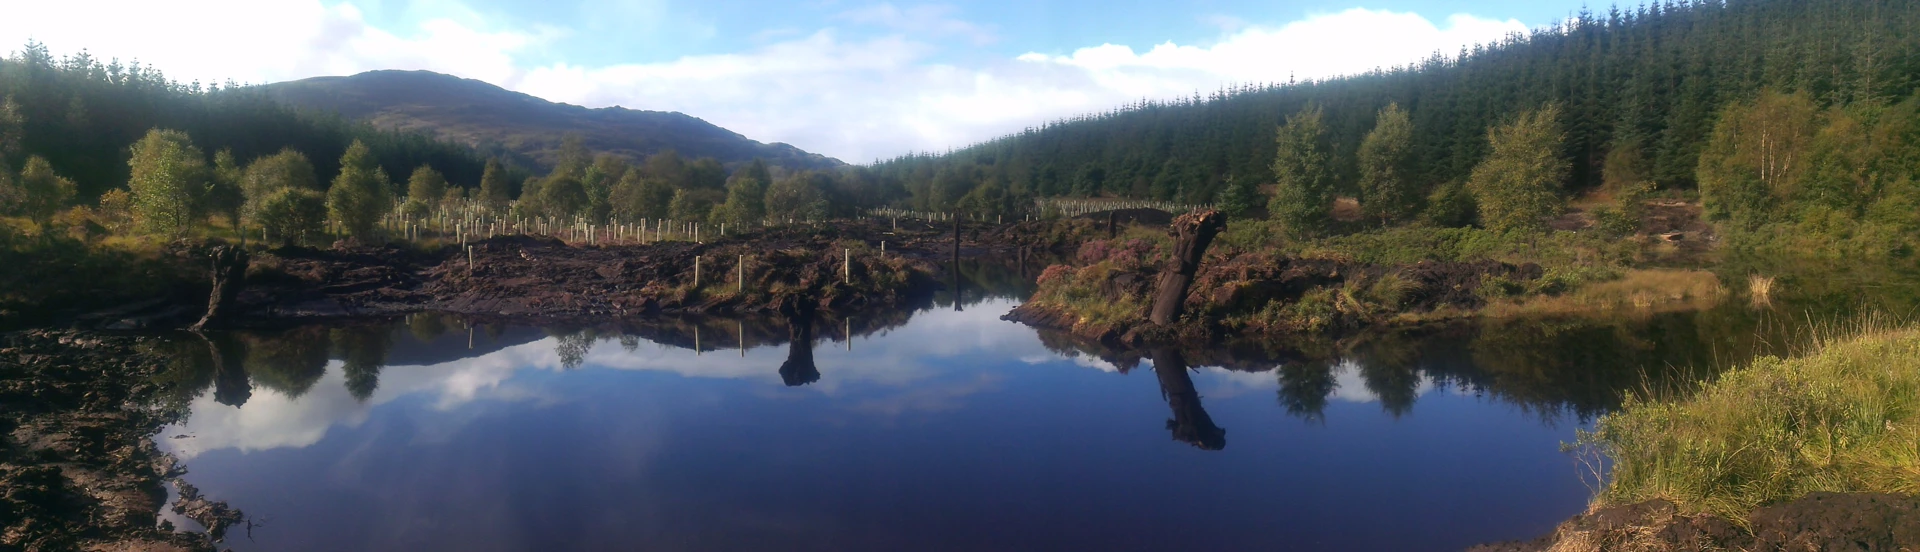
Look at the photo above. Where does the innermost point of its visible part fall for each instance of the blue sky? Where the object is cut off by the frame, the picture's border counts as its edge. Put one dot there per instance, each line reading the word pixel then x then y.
pixel 853 79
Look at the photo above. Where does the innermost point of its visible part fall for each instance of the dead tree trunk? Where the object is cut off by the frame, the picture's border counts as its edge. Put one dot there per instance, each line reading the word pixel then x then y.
pixel 1190 423
pixel 229 275
pixel 1192 233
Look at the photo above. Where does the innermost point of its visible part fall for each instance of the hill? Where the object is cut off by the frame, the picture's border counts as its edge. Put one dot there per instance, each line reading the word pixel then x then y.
pixel 499 121
pixel 80 113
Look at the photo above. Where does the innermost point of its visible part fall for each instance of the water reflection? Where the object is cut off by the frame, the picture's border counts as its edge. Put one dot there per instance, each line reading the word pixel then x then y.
pixel 1557 370
pixel 943 427
pixel 799 369
pixel 1190 423
pixel 521 435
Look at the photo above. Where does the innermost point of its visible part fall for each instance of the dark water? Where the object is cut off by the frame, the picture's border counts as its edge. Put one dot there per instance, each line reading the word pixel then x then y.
pixel 942 430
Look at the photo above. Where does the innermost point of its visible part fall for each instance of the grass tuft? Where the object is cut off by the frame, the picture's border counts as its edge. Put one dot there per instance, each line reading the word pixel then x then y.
pixel 1844 418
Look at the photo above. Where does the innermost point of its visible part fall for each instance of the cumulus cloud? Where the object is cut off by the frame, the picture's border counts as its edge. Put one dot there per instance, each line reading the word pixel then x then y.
pixel 867 98
pixel 874 82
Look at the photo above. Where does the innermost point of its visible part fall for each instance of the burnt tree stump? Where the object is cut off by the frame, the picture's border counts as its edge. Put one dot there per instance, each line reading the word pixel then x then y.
pixel 229 275
pixel 1192 233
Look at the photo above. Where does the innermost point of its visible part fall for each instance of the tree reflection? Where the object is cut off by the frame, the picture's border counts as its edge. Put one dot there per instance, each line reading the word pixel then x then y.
pixel 364 351
pixel 289 362
pixel 1190 423
pixel 427 325
pixel 799 368
pixel 572 347
pixel 1304 388
pixel 230 384
pixel 189 369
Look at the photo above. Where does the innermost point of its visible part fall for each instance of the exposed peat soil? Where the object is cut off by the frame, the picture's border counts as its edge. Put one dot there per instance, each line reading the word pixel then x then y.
pixel 840 268
pixel 78 466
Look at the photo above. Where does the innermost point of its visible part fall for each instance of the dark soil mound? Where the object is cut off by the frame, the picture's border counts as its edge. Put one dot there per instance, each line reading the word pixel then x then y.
pixel 77 469
pixel 1136 217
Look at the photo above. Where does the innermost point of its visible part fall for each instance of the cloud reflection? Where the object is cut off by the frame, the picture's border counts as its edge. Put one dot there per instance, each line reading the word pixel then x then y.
pixel 895 373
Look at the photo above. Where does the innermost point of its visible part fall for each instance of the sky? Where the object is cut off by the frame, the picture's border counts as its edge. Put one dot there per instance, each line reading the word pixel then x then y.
pixel 856 80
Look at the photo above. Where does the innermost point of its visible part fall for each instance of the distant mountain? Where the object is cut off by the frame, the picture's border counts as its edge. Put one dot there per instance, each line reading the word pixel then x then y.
pixel 500 121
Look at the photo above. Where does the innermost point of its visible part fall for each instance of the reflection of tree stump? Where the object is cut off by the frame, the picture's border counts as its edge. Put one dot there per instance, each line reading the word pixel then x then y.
pixel 1192 233
pixel 229 275
pixel 1190 423
pixel 231 386
pixel 799 368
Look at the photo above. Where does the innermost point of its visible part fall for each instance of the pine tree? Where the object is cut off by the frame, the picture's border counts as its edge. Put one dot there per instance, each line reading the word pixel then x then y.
pixel 1241 197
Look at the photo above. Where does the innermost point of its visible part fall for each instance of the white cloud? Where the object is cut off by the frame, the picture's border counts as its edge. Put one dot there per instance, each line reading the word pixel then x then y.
pixel 861 99
pixel 268 41
pixel 879 87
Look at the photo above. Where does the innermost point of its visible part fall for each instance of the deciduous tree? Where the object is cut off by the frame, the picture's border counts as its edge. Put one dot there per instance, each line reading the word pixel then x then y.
pixel 361 193
pixel 169 175
pixel 1518 184
pixel 1303 181
pixel 1388 191
pixel 44 192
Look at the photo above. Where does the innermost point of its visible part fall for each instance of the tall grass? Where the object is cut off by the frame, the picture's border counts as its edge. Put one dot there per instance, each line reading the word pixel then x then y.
pixel 1844 417
pixel 1760 290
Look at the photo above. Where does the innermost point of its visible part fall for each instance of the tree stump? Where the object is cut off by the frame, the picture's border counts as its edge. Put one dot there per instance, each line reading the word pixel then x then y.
pixel 229 275
pixel 1192 233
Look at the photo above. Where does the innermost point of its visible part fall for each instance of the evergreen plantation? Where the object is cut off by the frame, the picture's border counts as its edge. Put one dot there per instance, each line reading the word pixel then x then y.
pixel 1638 92
pixel 81 114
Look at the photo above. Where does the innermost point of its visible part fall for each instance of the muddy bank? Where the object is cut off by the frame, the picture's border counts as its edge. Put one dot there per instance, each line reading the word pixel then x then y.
pixel 843 268
pixel 1261 294
pixel 78 470
pixel 1817 522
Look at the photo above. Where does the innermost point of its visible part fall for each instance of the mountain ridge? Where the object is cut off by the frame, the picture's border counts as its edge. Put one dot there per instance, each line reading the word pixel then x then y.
pixel 523 127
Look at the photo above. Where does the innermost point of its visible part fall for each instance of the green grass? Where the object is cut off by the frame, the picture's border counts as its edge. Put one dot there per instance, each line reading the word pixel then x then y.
pixel 1078 292
pixel 1844 418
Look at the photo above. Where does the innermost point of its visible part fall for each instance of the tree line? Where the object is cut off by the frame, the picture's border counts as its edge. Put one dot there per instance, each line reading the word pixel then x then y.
pixel 121 146
pixel 1626 94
